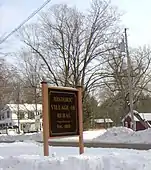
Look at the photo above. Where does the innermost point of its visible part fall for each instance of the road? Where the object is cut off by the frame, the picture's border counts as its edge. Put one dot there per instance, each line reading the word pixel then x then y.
pixel 89 144
pixel 103 145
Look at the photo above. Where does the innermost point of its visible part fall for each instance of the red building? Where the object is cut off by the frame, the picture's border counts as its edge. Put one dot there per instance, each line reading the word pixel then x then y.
pixel 140 119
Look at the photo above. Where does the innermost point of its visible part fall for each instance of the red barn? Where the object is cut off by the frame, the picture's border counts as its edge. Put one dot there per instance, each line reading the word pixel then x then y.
pixel 138 125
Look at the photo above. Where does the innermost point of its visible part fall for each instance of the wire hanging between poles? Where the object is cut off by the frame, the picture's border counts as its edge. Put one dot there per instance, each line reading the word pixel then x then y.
pixel 24 22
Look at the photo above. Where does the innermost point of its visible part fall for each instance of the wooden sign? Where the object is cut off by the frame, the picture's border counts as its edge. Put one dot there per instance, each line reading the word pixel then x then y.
pixel 63 112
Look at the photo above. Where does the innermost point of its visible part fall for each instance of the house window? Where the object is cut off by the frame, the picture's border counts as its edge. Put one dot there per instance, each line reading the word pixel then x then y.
pixel 126 124
pixel 40 115
pixel 22 126
pixel 31 115
pixel 21 115
pixel 8 115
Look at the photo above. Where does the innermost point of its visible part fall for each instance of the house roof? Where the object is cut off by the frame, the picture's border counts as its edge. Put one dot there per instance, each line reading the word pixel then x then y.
pixel 146 116
pixel 23 107
pixel 106 120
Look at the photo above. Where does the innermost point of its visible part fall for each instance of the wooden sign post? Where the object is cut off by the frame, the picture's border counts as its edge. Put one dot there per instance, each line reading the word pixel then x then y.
pixel 45 117
pixel 62 114
pixel 81 144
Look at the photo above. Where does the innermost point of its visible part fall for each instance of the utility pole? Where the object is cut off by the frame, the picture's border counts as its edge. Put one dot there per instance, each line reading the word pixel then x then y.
pixel 18 102
pixel 129 79
pixel 35 91
pixel 35 86
pixel 36 110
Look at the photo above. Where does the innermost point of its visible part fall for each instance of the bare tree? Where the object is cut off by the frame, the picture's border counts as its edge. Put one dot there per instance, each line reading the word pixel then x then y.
pixel 117 83
pixel 7 77
pixel 72 44
pixel 31 71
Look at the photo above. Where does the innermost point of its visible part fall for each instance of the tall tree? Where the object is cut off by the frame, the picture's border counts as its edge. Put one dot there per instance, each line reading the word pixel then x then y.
pixel 143 105
pixel 7 78
pixel 117 82
pixel 72 44
pixel 30 69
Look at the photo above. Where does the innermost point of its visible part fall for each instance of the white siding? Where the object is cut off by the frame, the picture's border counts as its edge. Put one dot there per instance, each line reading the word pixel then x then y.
pixel 14 115
pixel 13 111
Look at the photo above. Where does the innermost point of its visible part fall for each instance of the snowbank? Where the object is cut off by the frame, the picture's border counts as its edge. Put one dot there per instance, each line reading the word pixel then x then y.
pixel 22 137
pixel 112 135
pixel 124 135
pixel 75 162
pixel 28 156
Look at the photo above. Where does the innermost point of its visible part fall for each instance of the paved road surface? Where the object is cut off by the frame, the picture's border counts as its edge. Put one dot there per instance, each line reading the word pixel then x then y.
pixel 96 145
pixel 103 145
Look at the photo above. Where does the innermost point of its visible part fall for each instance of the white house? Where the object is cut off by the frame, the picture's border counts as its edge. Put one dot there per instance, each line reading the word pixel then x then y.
pixel 21 115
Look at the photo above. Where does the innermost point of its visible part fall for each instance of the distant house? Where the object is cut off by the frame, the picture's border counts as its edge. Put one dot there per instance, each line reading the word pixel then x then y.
pixel 22 115
pixel 141 120
pixel 103 123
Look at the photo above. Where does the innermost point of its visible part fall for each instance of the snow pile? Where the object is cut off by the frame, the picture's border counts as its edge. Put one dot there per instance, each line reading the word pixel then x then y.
pixel 112 135
pixel 118 131
pixel 141 137
pixel 124 135
pixel 28 156
pixel 111 162
pixel 22 137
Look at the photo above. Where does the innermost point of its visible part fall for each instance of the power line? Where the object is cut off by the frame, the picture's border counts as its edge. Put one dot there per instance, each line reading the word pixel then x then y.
pixel 26 20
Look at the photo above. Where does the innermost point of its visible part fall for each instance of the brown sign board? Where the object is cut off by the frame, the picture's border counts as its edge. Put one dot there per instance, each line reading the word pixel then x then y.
pixel 63 112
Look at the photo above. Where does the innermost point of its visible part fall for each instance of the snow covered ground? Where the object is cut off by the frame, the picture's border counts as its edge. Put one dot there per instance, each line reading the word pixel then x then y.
pixel 88 135
pixel 112 135
pixel 23 156
pixel 29 154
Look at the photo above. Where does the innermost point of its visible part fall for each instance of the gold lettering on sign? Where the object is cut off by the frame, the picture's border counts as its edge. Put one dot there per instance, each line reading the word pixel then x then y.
pixel 67 126
pixel 59 107
pixel 72 107
pixel 63 121
pixel 63 108
pixel 58 115
pixel 63 99
pixel 59 126
pixel 64 115
pixel 55 107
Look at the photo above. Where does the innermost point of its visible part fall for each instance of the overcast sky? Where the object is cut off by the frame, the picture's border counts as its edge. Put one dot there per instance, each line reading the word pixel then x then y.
pixel 136 19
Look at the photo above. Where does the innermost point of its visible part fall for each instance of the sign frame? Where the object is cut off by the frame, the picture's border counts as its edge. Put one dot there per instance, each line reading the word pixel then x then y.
pixel 45 115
